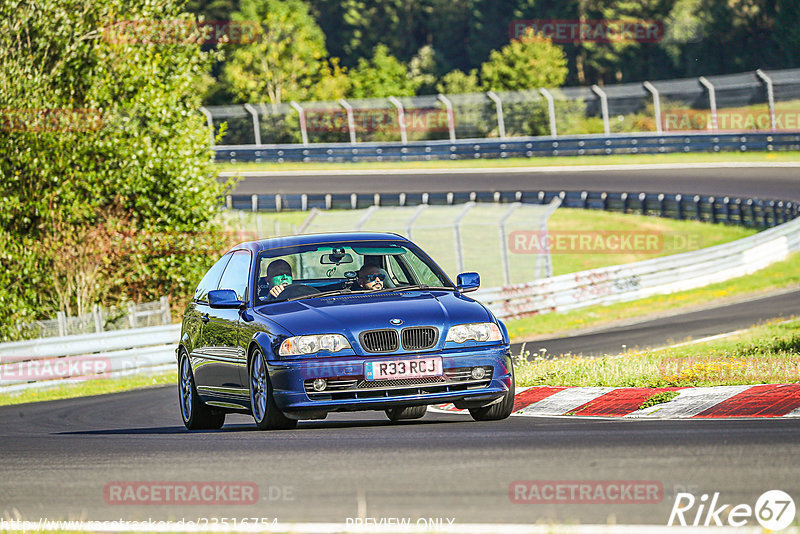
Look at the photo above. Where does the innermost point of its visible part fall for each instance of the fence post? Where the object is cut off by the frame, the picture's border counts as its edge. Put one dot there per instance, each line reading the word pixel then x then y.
pixel 679 200
pixel 451 120
pixel 457 234
pixel 62 323
pixel 254 203
pixel 132 314
pixel 504 243
pixel 256 128
pixel 302 115
pixel 351 123
pixel 498 104
pixel 712 101
pixel 210 121
pixel 770 96
pixel 166 315
pixel 97 314
pixel 551 109
pixel 410 222
pixel 603 107
pixel 401 118
pixel 656 104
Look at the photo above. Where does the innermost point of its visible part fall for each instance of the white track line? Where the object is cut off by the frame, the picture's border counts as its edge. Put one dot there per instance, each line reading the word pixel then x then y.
pixel 689 402
pixel 564 401
pixel 517 170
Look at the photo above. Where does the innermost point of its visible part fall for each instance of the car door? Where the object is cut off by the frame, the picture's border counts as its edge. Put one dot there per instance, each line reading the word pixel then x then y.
pixel 196 316
pixel 221 375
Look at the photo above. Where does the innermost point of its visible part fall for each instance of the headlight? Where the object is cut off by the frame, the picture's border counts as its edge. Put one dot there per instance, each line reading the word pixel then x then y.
pixel 474 332
pixel 301 345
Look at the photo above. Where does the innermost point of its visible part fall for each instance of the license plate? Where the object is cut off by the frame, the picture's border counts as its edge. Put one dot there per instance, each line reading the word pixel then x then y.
pixel 403 368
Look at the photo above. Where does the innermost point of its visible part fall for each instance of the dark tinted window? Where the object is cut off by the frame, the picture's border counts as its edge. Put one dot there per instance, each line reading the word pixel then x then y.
pixel 211 279
pixel 237 274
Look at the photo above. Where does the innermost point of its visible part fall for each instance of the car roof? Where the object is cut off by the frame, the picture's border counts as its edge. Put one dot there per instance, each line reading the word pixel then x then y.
pixel 317 239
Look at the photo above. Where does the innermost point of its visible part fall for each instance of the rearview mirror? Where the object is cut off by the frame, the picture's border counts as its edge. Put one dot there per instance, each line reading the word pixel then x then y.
pixel 335 259
pixel 224 299
pixel 467 282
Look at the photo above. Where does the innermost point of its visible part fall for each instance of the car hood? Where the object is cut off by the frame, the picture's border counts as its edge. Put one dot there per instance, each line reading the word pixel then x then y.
pixel 351 314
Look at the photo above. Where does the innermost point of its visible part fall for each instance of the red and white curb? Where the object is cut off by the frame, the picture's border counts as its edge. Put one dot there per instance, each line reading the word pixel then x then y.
pixel 763 400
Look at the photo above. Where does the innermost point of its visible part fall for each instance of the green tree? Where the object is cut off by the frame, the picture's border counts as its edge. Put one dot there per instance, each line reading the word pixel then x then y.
pixel 526 63
pixel 422 69
pixel 286 60
pixel 456 82
pixel 102 146
pixel 381 76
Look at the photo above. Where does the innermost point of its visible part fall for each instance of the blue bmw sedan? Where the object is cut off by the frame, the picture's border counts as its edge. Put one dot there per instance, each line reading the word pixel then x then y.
pixel 296 327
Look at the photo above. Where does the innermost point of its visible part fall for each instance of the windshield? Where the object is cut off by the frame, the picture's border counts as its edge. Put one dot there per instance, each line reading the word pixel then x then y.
pixel 313 270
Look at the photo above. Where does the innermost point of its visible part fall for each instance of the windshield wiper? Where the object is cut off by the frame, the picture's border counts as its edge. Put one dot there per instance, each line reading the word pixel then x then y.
pixel 406 288
pixel 330 293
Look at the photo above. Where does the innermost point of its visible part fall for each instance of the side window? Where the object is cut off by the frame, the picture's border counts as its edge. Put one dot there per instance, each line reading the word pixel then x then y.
pixel 237 274
pixel 423 273
pixel 396 271
pixel 211 279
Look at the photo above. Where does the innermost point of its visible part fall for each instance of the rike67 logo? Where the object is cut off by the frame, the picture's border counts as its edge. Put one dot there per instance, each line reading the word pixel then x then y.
pixel 774 510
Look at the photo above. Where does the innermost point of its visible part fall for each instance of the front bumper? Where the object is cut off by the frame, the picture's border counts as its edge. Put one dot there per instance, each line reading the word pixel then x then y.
pixel 349 391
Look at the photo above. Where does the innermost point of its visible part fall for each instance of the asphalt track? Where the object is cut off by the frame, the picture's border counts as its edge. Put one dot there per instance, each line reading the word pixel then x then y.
pixel 741 180
pixel 59 456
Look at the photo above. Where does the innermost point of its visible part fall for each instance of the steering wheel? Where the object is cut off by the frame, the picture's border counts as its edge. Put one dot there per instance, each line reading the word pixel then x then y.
pixel 294 290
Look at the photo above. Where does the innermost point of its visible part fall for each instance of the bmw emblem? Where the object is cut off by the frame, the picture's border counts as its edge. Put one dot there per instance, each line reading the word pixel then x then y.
pixel 396 322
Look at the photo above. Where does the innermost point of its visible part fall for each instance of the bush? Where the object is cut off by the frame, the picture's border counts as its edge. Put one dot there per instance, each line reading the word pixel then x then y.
pixel 101 139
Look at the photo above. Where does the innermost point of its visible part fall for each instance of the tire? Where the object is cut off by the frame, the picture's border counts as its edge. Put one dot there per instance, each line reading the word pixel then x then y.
pixel 406 412
pixel 265 412
pixel 498 411
pixel 196 415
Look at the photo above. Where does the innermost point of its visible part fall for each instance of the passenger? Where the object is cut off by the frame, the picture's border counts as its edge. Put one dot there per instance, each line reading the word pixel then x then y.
pixel 370 277
pixel 279 275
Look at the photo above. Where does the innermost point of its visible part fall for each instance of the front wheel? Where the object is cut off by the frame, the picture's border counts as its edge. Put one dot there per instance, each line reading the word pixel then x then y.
pixel 499 410
pixel 406 412
pixel 196 414
pixel 266 413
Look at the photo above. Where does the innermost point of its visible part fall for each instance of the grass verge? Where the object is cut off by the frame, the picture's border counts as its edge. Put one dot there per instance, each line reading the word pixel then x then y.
pixel 780 275
pixel 765 354
pixel 88 387
pixel 621 159
pixel 658 398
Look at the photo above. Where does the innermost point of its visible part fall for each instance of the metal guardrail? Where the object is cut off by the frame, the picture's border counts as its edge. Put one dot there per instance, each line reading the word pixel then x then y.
pixel 99 320
pixel 517 147
pixel 58 360
pixel 748 212
pixel 632 281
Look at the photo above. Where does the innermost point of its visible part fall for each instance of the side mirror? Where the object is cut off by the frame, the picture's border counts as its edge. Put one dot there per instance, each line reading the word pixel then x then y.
pixel 467 282
pixel 224 299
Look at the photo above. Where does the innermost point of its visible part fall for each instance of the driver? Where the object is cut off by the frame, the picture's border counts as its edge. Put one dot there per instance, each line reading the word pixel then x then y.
pixel 279 275
pixel 370 277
